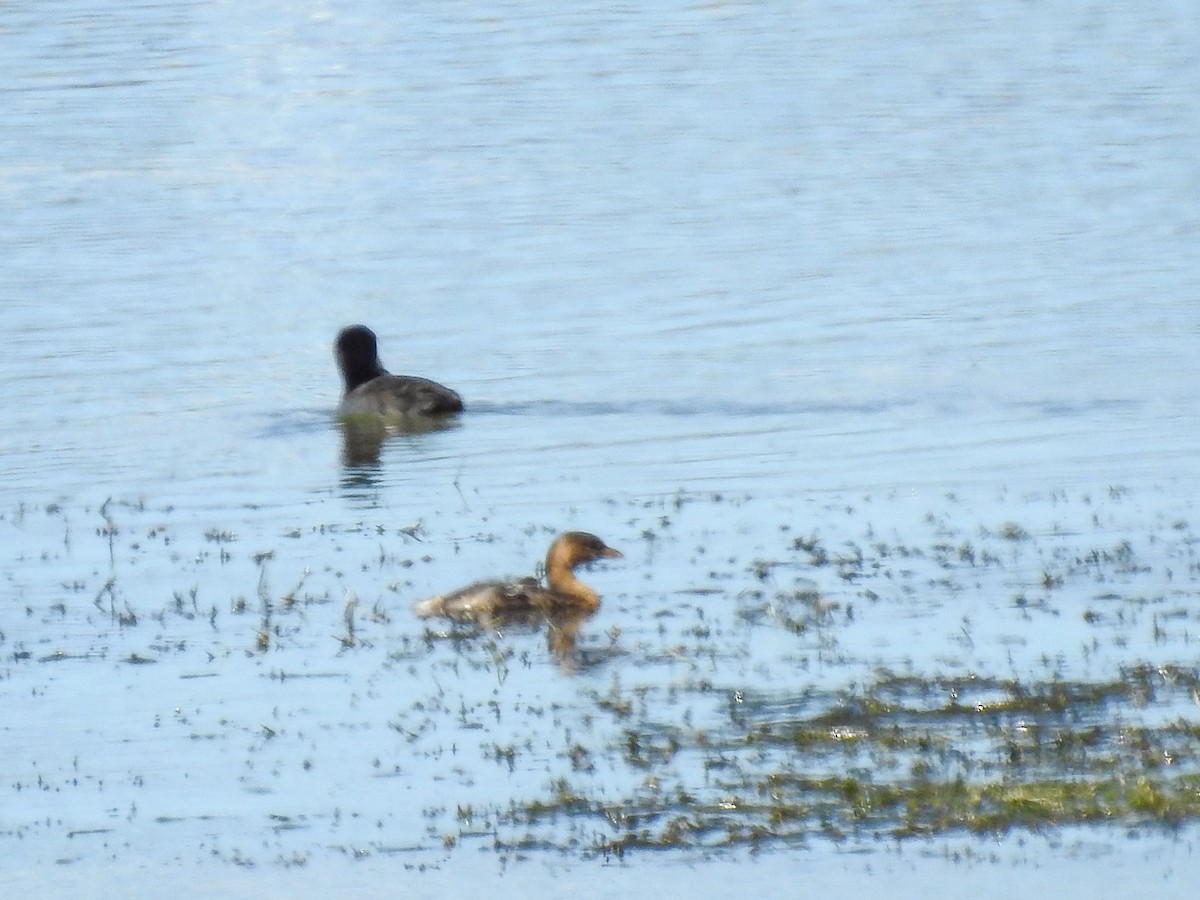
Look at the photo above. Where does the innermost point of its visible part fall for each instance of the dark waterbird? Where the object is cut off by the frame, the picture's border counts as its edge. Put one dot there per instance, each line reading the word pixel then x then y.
pixel 370 389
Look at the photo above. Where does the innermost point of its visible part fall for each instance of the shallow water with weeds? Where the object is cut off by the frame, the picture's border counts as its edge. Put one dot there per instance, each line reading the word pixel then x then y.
pixel 868 337
pixel 898 671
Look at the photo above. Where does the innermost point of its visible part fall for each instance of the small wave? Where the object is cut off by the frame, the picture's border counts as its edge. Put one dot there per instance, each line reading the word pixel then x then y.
pixel 670 408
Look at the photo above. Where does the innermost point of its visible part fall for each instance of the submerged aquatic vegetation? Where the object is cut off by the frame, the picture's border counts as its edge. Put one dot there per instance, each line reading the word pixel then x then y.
pixel 744 687
pixel 883 761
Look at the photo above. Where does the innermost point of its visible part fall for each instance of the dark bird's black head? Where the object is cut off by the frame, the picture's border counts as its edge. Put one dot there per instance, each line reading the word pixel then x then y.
pixel 358 356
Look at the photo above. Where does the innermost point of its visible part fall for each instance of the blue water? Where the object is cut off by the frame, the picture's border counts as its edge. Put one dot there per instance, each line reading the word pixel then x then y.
pixel 795 255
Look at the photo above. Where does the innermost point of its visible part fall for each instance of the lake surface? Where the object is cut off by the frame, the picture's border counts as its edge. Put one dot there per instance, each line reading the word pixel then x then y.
pixel 869 335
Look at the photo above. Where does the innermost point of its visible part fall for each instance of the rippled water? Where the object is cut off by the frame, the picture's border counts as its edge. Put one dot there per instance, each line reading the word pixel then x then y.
pixel 795 270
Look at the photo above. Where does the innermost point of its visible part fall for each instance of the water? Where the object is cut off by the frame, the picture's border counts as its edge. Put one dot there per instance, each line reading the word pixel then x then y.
pixel 710 277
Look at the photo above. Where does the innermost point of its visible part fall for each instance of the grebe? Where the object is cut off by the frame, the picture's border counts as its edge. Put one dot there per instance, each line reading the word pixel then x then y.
pixel 487 601
pixel 371 390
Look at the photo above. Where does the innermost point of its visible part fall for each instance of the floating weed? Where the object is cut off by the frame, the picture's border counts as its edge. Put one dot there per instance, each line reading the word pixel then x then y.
pixel 581 759
pixel 348 611
pixel 616 701
pixel 503 754
pixel 749 709
pixel 288 600
pixel 1011 531
pixel 817 555
pixel 899 757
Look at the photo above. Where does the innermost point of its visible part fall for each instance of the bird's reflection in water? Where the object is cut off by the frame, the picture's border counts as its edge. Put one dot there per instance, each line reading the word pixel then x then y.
pixel 363 436
pixel 562 630
pixel 562 634
pixel 362 440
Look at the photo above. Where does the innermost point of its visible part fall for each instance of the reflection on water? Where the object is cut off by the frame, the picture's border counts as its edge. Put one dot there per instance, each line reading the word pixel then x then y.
pixel 361 439
pixel 363 435
pixel 824 314
pixel 560 627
